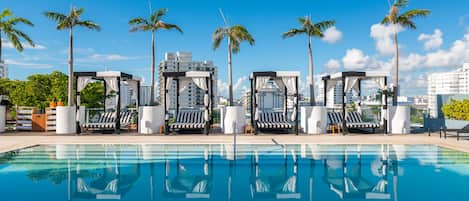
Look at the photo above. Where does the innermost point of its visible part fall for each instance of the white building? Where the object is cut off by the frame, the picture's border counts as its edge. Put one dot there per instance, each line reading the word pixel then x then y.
pixel 449 83
pixel 3 70
pixel 145 95
pixel 334 95
pixel 192 96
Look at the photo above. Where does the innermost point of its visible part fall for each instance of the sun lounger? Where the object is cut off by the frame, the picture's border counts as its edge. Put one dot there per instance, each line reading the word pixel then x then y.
pixel 273 120
pixel 107 120
pixel 354 121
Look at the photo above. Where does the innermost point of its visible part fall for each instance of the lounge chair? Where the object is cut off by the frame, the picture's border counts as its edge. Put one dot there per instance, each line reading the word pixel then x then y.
pixel 189 120
pixel 457 130
pixel 107 121
pixel 354 121
pixel 273 120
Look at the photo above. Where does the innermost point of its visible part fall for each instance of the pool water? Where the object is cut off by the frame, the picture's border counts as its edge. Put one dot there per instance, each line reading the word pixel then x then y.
pixel 227 172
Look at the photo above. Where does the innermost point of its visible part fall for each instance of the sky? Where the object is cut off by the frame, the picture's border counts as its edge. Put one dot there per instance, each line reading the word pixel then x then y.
pixel 356 42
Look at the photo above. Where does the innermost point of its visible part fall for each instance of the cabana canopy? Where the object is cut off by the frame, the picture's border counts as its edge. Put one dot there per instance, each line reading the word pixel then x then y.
pixel 112 83
pixel 285 80
pixel 204 81
pixel 351 80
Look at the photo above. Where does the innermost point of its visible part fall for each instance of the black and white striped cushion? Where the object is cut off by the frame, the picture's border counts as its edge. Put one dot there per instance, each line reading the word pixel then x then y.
pixel 189 120
pixel 107 120
pixel 273 120
pixel 354 120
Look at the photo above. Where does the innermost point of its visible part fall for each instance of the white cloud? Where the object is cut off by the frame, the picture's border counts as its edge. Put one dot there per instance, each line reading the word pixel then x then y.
pixel 382 34
pixel 109 57
pixel 355 59
pixel 222 88
pixel 333 64
pixel 433 41
pixel 8 44
pixel 28 65
pixel 332 35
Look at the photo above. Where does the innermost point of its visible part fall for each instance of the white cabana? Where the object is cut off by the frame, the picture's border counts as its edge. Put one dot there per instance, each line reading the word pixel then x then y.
pixel 286 81
pixel 352 80
pixel 112 83
pixel 195 119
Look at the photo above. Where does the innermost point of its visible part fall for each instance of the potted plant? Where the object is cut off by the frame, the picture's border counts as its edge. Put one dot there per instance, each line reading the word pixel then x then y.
pixel 60 103
pixel 52 103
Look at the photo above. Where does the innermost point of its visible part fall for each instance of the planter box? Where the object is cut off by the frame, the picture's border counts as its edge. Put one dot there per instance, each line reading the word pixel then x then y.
pixel 234 120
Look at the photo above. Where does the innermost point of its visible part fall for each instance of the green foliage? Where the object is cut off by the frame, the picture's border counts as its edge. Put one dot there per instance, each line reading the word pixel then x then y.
pixel 458 110
pixel 40 89
pixel 416 115
pixel 92 95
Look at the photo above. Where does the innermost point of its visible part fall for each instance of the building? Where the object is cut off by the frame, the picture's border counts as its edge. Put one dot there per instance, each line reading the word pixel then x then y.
pixel 3 70
pixel 192 96
pixel 271 98
pixel 145 95
pixel 334 95
pixel 449 83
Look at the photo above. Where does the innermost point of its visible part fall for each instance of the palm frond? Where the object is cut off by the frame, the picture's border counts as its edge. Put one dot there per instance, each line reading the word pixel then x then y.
pixel 6 13
pixel 401 3
pixel 138 21
pixel 159 14
pixel 293 32
pixel 407 23
pixel 21 34
pixel 169 26
pixel 89 25
pixel 57 17
pixel 324 25
pixel 386 20
pixel 17 20
pixel 234 45
pixel 415 13
pixel 15 41
pixel 242 34
pixel 218 35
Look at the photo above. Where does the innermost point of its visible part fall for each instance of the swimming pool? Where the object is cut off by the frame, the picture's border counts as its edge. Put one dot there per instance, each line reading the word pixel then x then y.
pixel 227 172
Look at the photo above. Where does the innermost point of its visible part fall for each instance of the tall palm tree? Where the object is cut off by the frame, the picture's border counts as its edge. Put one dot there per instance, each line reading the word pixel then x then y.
pixel 7 26
pixel 153 24
pixel 235 35
pixel 69 22
pixel 405 20
pixel 311 30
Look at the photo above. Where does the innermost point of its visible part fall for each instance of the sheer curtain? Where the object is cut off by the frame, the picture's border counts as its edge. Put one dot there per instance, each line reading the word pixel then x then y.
pixel 290 84
pixel 167 100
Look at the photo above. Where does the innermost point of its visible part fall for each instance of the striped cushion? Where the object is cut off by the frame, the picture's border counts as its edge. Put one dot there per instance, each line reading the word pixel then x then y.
pixel 107 120
pixel 354 120
pixel 273 120
pixel 189 120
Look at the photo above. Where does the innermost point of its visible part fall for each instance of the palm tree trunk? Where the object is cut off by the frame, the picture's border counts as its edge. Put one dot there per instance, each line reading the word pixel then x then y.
pixel 1 46
pixel 152 88
pixel 230 81
pixel 70 70
pixel 311 73
pixel 396 71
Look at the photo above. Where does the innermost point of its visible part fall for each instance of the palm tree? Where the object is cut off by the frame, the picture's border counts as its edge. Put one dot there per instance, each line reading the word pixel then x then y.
pixel 7 26
pixel 153 24
pixel 404 20
pixel 235 36
pixel 311 30
pixel 70 21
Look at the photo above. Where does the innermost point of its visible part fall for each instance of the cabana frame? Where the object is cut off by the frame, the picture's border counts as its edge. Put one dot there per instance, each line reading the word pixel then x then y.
pixel 83 78
pixel 275 75
pixel 353 80
pixel 208 97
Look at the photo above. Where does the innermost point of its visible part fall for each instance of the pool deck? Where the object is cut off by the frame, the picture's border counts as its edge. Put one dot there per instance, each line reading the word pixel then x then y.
pixel 9 142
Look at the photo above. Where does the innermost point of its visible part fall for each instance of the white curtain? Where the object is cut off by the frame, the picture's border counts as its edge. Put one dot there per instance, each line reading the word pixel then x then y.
pixel 256 105
pixel 82 82
pixel 111 84
pixel 280 84
pixel 183 84
pixel 380 82
pixel 169 80
pixel 200 82
pixel 261 82
pixel 290 83
pixel 350 83
pixel 207 105
pixel 293 115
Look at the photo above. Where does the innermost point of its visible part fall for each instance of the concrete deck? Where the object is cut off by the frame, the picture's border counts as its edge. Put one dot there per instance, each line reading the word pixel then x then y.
pixel 9 142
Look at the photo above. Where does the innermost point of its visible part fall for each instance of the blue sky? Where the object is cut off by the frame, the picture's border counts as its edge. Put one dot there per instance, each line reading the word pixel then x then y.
pixel 357 42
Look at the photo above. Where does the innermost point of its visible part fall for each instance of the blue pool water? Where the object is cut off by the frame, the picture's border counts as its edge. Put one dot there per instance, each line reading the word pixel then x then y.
pixel 215 172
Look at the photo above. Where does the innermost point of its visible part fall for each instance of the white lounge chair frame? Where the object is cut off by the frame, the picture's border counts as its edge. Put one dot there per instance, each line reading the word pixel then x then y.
pixel 352 80
pixel 112 82
pixel 261 121
pixel 205 82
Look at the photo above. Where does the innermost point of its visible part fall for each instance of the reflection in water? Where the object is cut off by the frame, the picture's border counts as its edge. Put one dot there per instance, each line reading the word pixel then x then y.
pixel 210 172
